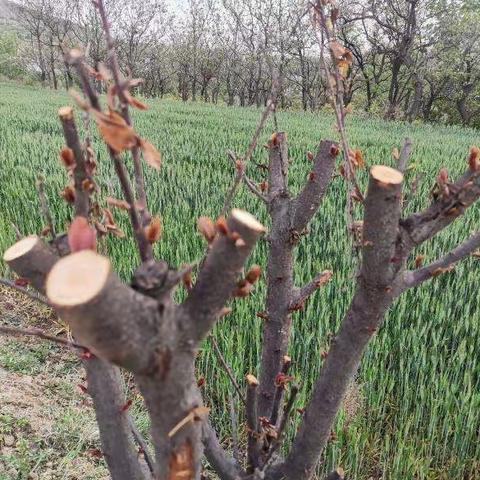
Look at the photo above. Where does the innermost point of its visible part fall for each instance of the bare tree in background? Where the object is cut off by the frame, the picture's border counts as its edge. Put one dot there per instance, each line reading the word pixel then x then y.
pixel 139 327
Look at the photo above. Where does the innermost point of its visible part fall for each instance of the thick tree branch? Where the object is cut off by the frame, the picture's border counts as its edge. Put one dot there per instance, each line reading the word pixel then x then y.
pixel 218 276
pixel 81 177
pixel 412 278
pixel 280 289
pixel 371 300
pixel 251 411
pixel 404 155
pixel 104 383
pixel 447 207
pixel 36 332
pixel 308 200
pixel 33 260
pixel 226 467
pixel 116 322
pixel 278 165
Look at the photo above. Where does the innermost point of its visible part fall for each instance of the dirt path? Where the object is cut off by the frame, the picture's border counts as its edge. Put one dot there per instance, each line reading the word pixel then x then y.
pixel 47 428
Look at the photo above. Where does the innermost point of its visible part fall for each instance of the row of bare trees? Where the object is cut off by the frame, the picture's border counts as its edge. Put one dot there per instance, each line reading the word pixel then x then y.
pixel 138 326
pixel 412 58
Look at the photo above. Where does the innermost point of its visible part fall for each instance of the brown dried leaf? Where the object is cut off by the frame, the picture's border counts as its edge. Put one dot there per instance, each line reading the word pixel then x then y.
pixel 45 231
pixel 88 185
pixel 221 226
pixel 115 130
pixel 115 202
pixel 153 231
pixel 151 154
pixel 324 278
pixel 134 102
pixel 343 67
pixel 442 177
pixel 338 51
pixel 79 100
pixel 395 154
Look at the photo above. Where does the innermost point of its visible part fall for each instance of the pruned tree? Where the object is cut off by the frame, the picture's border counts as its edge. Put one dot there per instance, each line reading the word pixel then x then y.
pixel 138 327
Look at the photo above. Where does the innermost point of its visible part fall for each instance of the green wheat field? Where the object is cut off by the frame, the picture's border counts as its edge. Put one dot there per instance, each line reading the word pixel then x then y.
pixel 414 412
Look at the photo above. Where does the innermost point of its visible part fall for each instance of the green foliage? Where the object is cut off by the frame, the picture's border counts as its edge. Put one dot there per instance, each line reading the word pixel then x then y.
pixel 418 402
pixel 9 49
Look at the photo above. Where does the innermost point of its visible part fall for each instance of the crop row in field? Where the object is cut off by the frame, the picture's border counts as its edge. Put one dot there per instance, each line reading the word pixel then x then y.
pixel 415 410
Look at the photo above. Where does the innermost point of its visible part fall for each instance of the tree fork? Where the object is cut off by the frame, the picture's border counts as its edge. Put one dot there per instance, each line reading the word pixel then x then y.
pixel 373 297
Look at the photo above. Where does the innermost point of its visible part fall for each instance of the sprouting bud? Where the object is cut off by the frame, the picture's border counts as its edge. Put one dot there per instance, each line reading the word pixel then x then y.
pixel 221 226
pixel 206 227
pixel 68 194
pixel 254 274
pixel 153 231
pixel 334 150
pixel 474 159
pixel 81 236
pixel 419 260
pixel 442 177
pixel 242 292
pixel 67 157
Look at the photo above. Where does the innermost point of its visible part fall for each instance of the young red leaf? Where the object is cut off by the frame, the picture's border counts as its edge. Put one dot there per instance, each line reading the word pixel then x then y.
pixel 81 236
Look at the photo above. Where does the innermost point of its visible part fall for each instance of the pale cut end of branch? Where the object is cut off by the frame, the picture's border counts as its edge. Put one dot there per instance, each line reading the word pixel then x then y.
pixel 77 279
pixel 386 175
pixel 65 113
pixel 20 248
pixel 32 259
pixel 252 380
pixel 248 220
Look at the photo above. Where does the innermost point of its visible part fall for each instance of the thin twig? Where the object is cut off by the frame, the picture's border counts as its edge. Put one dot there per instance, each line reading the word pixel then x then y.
pixel 18 234
pixel 120 86
pixel 227 369
pixel 35 332
pixel 270 106
pixel 277 400
pixel 144 246
pixel 248 182
pixel 142 444
pixel 33 295
pixel 283 424
pixel 44 207
pixel 337 98
pixel 233 419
